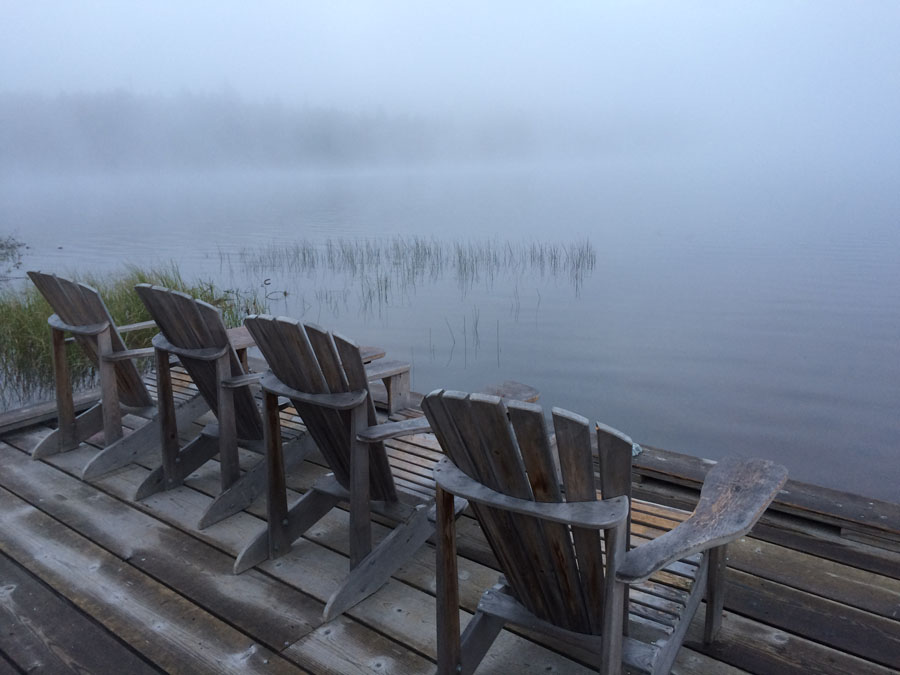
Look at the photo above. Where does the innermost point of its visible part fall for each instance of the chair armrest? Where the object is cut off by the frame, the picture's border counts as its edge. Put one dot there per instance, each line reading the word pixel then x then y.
pixel 241 380
pixel 605 513
pixel 382 432
pixel 369 354
pixel 384 368
pixel 207 354
pixel 127 354
pixel 142 325
pixel 87 329
pixel 240 338
pixel 734 495
pixel 343 401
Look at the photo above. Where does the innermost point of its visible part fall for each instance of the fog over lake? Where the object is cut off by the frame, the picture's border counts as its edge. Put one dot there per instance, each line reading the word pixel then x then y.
pixel 733 170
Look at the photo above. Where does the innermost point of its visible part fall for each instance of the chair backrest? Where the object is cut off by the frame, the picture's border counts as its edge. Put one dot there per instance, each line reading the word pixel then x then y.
pixel 555 570
pixel 189 323
pixel 313 361
pixel 78 304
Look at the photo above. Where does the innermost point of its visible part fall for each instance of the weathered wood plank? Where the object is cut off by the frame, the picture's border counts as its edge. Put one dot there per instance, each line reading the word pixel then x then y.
pixel 759 648
pixel 41 632
pixel 271 612
pixel 845 628
pixel 344 647
pixel 161 625
pixel 848 585
pixel 810 501
pixel 43 411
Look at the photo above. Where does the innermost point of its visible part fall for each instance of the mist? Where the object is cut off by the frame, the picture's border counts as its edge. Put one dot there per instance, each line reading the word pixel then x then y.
pixel 795 86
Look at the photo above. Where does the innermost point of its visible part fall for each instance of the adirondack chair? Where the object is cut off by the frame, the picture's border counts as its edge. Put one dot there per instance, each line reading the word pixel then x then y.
pixel 193 331
pixel 567 564
pixel 80 310
pixel 324 377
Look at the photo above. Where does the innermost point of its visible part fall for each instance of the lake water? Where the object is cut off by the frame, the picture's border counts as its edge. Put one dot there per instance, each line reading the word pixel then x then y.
pixel 728 310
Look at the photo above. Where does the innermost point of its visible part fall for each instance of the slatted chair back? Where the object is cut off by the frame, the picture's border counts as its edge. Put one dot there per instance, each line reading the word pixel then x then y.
pixel 78 304
pixel 313 361
pixel 188 323
pixel 556 571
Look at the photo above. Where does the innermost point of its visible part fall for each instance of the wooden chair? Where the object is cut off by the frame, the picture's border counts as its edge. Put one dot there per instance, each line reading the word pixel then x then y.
pixel 324 377
pixel 564 553
pixel 193 331
pixel 80 310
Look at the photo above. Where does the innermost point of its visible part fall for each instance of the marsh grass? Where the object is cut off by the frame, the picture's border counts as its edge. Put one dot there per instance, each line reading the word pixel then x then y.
pixel 26 367
pixel 10 255
pixel 393 267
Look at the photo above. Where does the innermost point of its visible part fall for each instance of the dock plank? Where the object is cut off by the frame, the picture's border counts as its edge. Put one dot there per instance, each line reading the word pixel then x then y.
pixel 273 613
pixel 161 625
pixel 808 597
pixel 760 648
pixel 41 632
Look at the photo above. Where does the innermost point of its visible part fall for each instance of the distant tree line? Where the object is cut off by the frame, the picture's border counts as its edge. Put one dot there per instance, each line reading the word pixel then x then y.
pixel 119 130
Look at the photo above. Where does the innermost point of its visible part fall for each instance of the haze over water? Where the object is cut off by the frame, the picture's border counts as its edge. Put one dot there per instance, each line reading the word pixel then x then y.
pixel 735 169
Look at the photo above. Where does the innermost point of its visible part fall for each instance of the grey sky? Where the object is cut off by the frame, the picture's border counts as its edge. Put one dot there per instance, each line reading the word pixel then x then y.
pixel 808 71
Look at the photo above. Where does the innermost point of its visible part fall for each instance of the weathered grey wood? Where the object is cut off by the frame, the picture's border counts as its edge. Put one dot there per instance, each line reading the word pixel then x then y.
pixel 194 331
pixel 506 474
pixel 80 305
pixel 614 455
pixel 812 502
pixel 345 400
pixel 542 466
pixel 88 576
pixel 577 469
pixel 68 436
pixel 141 440
pixel 635 654
pixel 396 379
pixel 43 633
pixel 447 586
pixel 512 390
pixel 242 493
pixel 479 636
pixel 65 405
pixel 324 377
pixel 43 411
pixel 733 498
pixel 303 515
pixel 715 592
pixel 383 432
pixel 593 515
pixel 360 519
pixel 376 568
pixel 272 612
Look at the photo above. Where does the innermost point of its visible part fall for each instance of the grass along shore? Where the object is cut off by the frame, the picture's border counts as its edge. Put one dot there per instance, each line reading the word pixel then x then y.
pixel 26 363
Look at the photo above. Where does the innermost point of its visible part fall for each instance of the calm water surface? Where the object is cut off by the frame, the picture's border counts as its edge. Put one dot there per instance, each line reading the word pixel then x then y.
pixel 737 311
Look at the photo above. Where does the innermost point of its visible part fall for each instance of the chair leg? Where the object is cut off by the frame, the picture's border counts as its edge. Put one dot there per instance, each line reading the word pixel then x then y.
pixel 253 483
pixel 480 633
pixel 715 593
pixel 109 392
pixel 397 388
pixel 141 440
pixel 376 568
pixel 228 454
pixel 360 517
pixel 65 436
pixel 447 595
pixel 86 425
pixel 276 504
pixel 302 516
pixel 194 455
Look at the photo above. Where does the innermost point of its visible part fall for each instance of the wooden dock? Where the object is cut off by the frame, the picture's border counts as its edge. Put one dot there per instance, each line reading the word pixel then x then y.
pixel 91 581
